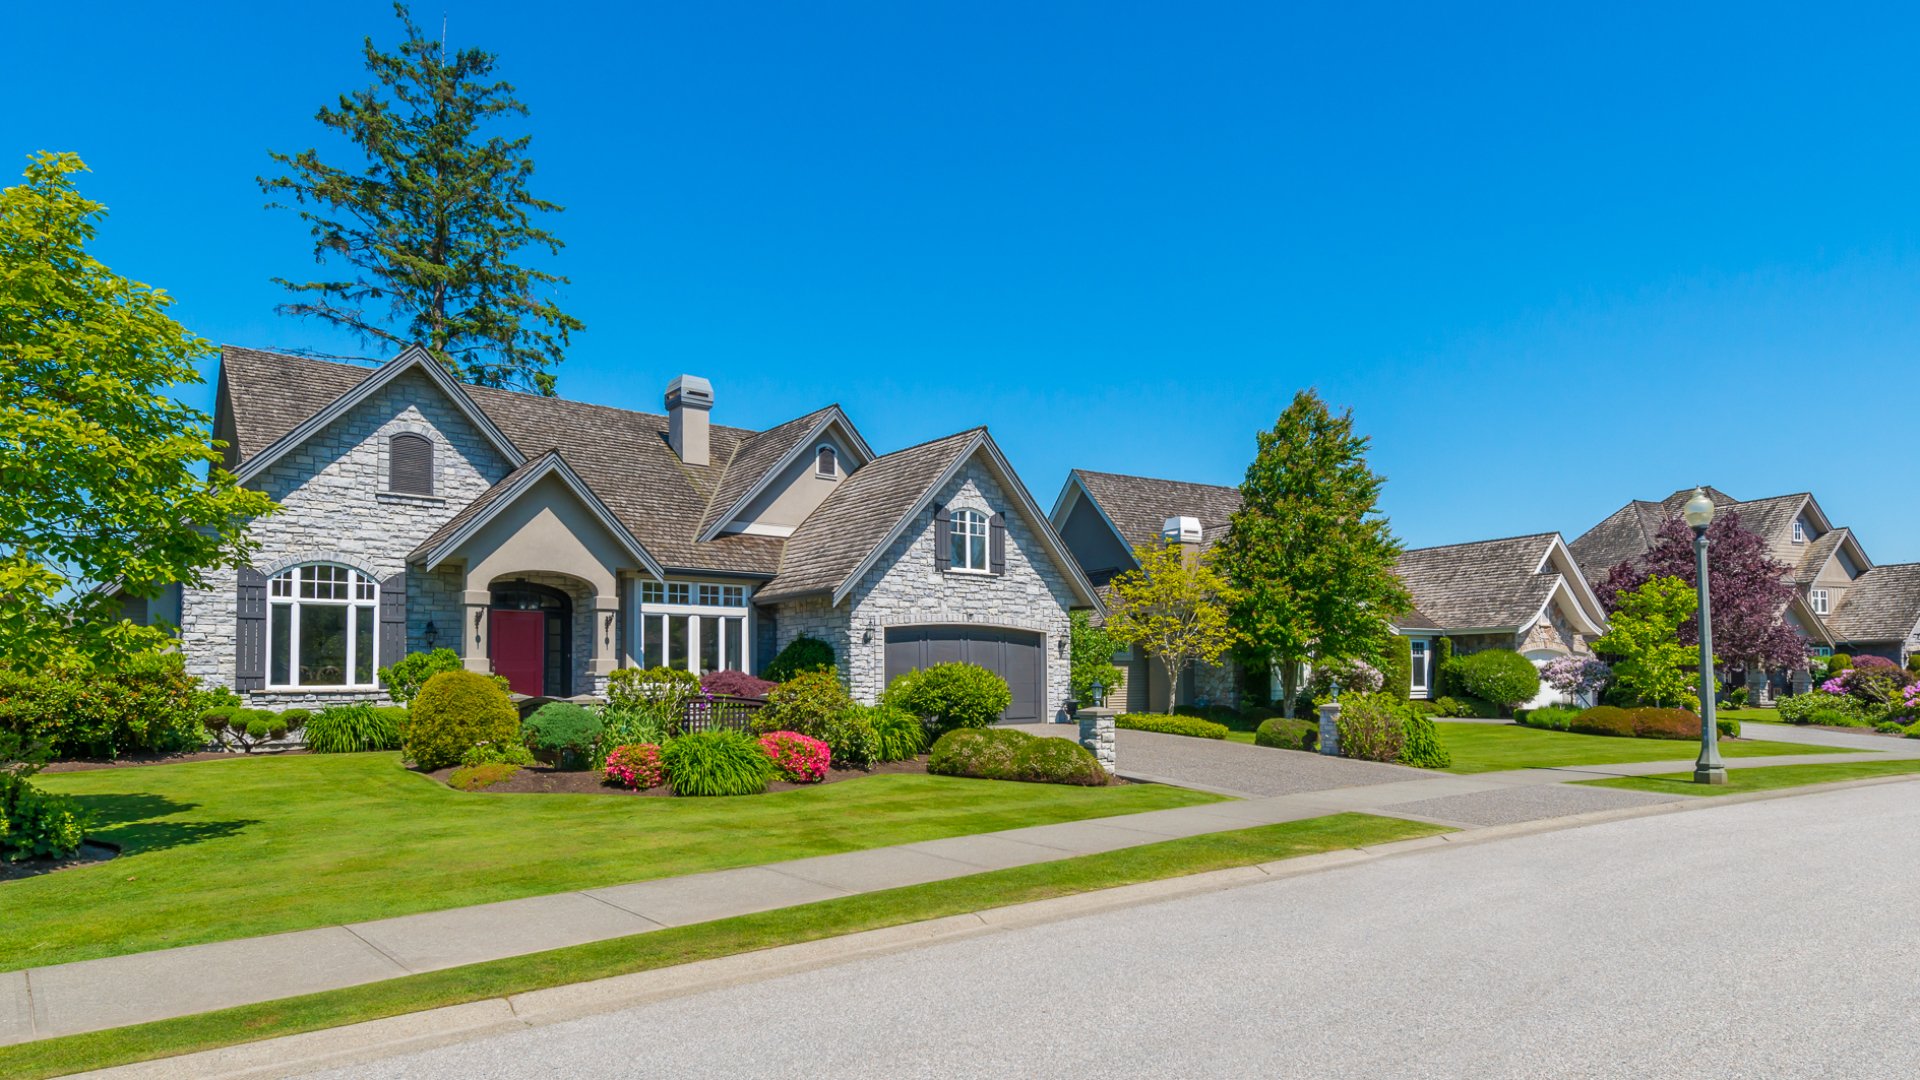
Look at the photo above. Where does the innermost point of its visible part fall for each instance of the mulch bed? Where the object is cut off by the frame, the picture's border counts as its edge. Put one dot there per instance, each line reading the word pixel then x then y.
pixel 134 760
pixel 89 853
pixel 544 779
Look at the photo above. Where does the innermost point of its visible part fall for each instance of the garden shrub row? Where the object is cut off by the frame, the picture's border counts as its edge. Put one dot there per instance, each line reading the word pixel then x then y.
pixel 1381 726
pixel 1171 725
pixel 1009 754
pixel 151 707
pixel 356 729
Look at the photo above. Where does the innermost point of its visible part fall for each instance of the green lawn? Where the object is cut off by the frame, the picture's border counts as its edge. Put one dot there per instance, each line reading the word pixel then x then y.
pixel 1750 716
pixel 685 944
pixel 1768 779
pixel 228 849
pixel 1493 747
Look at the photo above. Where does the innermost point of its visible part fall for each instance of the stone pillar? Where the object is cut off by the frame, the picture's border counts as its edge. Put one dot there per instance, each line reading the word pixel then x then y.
pixel 1756 685
pixel 473 631
pixel 1801 679
pixel 1330 729
pixel 1096 734
pixel 606 636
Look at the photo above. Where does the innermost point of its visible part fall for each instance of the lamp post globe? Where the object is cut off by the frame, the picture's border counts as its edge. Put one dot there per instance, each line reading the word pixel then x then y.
pixel 1708 769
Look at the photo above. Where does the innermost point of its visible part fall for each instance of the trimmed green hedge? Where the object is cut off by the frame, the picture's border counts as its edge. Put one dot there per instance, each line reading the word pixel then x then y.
pixel 453 713
pixel 1283 733
pixel 951 695
pixel 1006 754
pixel 1500 676
pixel 1171 725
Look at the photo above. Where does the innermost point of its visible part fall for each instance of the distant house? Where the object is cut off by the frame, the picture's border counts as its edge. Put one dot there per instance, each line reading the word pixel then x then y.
pixel 553 541
pixel 1524 593
pixel 1842 601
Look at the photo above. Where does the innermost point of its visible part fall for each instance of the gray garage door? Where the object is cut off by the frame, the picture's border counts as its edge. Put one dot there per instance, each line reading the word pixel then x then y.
pixel 1014 655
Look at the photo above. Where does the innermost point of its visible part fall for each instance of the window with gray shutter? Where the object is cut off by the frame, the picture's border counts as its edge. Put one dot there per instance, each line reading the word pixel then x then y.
pixel 393 619
pixel 942 541
pixel 997 544
pixel 250 637
pixel 410 464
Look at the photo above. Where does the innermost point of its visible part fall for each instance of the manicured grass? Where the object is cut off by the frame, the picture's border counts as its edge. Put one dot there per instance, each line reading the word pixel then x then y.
pixel 1493 747
pixel 1247 736
pixel 1749 716
pixel 1771 778
pixel 228 849
pixel 681 945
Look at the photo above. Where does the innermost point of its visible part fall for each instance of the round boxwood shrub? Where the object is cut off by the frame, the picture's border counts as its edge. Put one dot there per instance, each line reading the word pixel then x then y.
pixel 716 763
pixel 801 654
pixel 564 733
pixel 952 695
pixel 1006 754
pixel 454 712
pixel 1283 733
pixel 1500 676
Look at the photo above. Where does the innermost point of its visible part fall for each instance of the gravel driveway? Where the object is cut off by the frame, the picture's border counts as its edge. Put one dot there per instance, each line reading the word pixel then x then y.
pixel 1235 768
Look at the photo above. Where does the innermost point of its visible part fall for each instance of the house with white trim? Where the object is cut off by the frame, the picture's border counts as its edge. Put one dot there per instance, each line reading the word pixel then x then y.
pixel 554 541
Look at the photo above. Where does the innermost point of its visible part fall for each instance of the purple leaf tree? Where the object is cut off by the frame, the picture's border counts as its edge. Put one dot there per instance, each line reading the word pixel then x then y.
pixel 1751 590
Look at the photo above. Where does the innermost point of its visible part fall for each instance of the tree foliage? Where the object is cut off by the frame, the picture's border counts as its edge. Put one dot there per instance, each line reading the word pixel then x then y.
pixel 107 478
pixel 1311 558
pixel 1654 665
pixel 1092 648
pixel 432 220
pixel 1175 608
pixel 1750 591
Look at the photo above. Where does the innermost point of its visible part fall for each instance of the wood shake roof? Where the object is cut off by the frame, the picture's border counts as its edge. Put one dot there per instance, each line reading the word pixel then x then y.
pixel 1487 584
pixel 1139 506
pixel 1882 605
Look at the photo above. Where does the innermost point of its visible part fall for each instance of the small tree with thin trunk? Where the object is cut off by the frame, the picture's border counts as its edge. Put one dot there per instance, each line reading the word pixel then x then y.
pixel 1644 633
pixel 1174 607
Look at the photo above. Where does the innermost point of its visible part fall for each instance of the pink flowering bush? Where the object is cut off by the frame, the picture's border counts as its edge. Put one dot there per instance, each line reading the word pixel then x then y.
pixel 635 766
pixel 799 759
pixel 1577 676
pixel 1875 684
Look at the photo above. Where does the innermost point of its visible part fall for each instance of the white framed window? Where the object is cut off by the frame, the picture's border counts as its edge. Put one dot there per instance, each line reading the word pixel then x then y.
pixel 826 461
pixel 323 624
pixel 695 626
pixel 1818 650
pixel 1419 665
pixel 1817 598
pixel 1799 531
pixel 969 541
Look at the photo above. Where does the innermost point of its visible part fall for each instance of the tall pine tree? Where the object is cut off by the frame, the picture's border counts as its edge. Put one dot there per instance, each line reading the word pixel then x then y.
pixel 1310 556
pixel 431 220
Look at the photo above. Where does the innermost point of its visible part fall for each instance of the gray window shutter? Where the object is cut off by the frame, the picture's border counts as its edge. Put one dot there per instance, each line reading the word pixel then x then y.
pixel 250 637
pixel 997 543
pixel 942 539
pixel 410 464
pixel 393 619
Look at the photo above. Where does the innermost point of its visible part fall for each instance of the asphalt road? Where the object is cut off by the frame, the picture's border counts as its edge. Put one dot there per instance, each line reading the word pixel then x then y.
pixel 1760 940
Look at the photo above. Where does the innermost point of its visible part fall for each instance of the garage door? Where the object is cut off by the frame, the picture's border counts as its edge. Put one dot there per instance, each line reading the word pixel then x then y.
pixel 1014 655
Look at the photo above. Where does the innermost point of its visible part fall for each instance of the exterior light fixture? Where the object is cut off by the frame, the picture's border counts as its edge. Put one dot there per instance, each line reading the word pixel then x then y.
pixel 433 634
pixel 1708 769
pixel 1699 510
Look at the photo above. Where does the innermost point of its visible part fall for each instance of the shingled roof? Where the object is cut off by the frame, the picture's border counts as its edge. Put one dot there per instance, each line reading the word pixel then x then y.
pixel 1139 506
pixel 1487 584
pixel 1630 531
pixel 1882 605
pixel 837 537
pixel 622 455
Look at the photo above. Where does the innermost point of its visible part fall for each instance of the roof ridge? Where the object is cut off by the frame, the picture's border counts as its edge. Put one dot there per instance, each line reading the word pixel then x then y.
pixel 1157 479
pixel 1475 543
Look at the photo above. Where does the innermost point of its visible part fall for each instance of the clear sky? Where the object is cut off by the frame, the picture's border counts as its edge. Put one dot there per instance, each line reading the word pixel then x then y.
pixel 1552 261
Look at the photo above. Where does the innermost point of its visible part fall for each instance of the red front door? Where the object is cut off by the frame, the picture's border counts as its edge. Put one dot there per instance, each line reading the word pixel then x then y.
pixel 520 650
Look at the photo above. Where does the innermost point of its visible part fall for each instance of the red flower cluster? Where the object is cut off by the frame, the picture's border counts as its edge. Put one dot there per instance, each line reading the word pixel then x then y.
pixel 798 758
pixel 636 766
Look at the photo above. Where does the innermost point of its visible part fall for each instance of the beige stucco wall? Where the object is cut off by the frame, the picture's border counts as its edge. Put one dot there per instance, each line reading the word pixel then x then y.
pixel 798 491
pixel 546 529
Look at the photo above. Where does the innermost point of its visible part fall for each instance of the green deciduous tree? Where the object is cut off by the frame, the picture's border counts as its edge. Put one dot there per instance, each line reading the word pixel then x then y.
pixel 1175 607
pixel 1310 555
pixel 107 479
pixel 1654 665
pixel 433 219
pixel 1092 650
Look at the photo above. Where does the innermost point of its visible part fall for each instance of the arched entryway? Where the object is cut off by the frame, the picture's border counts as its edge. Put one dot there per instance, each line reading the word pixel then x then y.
pixel 530 638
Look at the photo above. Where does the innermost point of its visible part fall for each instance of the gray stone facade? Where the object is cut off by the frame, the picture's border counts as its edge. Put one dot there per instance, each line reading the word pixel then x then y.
pixel 334 509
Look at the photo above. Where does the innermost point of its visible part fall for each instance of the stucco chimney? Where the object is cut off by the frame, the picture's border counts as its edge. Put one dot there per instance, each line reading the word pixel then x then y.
pixel 689 399
pixel 1185 532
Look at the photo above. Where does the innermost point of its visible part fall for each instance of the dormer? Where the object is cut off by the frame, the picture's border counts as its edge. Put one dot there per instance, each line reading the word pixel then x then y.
pixel 782 475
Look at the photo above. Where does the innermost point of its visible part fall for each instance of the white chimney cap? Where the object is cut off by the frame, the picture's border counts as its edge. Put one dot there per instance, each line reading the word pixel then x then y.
pixel 1181 530
pixel 690 390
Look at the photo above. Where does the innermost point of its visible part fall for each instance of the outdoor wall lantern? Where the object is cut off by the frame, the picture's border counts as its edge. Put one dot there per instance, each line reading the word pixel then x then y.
pixel 1098 694
pixel 1709 769
pixel 433 634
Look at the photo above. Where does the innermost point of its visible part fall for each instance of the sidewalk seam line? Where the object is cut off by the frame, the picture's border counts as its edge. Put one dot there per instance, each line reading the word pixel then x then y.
pixel 401 964
pixel 657 925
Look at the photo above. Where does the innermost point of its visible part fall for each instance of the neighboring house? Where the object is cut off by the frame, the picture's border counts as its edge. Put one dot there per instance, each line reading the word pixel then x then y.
pixel 1103 517
pixel 1842 602
pixel 553 541
pixel 1524 593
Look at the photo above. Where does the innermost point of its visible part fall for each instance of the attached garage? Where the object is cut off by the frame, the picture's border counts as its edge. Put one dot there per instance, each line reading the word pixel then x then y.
pixel 1015 655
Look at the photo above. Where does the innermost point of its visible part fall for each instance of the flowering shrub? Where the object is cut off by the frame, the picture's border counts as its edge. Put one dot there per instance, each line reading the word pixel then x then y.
pixel 635 766
pixel 1877 684
pixel 1354 677
pixel 799 759
pixel 1580 676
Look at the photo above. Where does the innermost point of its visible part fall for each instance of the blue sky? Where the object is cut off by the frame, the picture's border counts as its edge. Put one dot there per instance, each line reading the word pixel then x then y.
pixel 1552 261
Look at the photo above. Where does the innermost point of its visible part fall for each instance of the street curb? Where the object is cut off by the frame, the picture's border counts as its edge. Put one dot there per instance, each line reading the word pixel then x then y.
pixel 424 1030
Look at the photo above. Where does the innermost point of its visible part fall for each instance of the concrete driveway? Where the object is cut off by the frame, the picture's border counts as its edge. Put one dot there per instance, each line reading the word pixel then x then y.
pixel 1232 768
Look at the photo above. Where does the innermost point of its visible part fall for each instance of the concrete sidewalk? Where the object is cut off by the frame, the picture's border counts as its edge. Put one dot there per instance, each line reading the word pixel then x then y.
pixel 112 992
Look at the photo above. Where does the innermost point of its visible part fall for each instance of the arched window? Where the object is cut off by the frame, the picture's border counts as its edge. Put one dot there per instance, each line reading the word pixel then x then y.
pixel 826 461
pixel 321 623
pixel 410 464
pixel 969 539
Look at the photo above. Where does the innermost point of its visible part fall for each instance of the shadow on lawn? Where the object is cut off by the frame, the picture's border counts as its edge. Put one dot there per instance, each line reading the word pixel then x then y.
pixel 128 822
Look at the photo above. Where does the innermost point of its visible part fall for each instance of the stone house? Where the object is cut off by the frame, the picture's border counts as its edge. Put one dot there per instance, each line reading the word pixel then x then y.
pixel 1842 602
pixel 553 541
